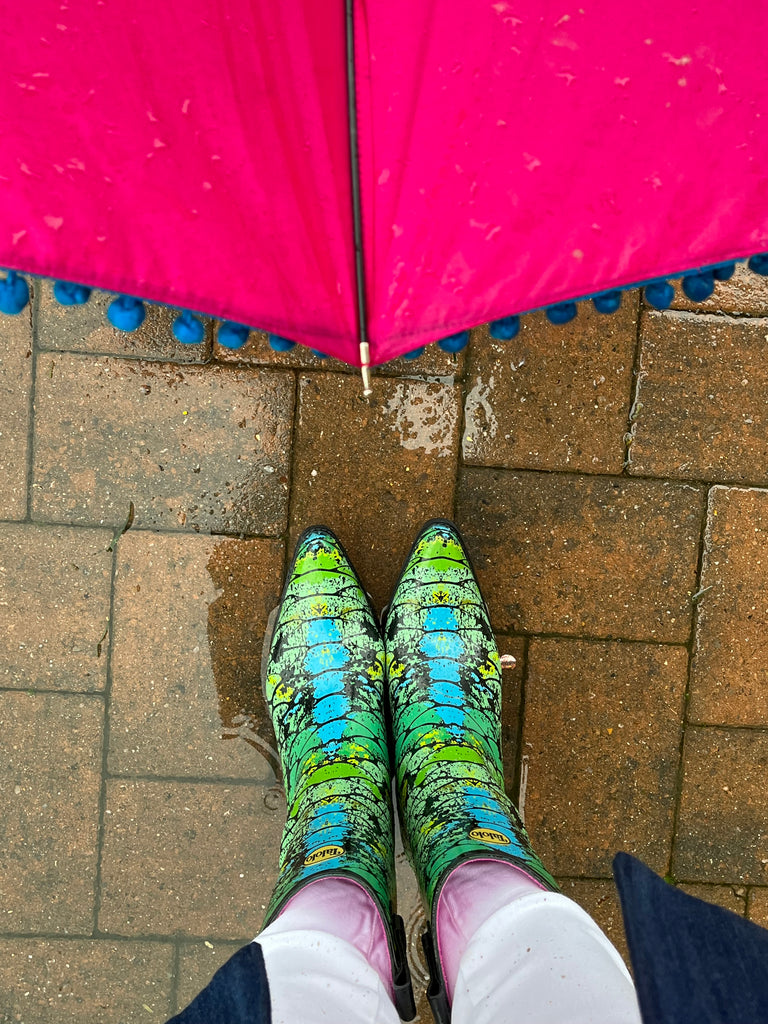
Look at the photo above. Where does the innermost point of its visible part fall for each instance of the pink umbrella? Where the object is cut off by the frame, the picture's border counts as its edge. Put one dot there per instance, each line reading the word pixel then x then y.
pixel 368 180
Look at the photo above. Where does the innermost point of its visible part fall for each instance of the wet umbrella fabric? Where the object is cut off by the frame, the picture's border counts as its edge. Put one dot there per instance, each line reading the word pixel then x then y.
pixel 508 156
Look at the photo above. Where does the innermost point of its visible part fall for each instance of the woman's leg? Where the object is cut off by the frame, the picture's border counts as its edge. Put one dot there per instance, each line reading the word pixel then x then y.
pixel 512 951
pixel 327 958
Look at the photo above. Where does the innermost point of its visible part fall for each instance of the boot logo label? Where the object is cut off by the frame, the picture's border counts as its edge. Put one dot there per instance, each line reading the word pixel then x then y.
pixel 324 853
pixel 489 835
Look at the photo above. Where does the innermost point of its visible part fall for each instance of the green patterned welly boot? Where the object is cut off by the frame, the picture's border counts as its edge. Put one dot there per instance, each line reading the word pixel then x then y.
pixel 323 676
pixel 444 678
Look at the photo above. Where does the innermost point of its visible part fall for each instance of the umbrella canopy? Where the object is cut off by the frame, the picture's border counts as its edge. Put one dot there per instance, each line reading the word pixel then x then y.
pixel 390 172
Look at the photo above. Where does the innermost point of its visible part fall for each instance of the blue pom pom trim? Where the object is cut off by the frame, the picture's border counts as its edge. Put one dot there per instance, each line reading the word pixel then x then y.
pixel 414 353
pixel 14 294
pixel 232 335
pixel 68 294
pixel 188 329
pixel 454 342
pixel 724 272
pixel 505 329
pixel 659 294
pixel 278 344
pixel 126 313
pixel 562 313
pixel 699 287
pixel 317 354
pixel 607 302
pixel 759 264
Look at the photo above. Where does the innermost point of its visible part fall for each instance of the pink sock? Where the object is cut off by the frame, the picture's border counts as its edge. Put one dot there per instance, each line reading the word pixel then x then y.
pixel 473 892
pixel 343 908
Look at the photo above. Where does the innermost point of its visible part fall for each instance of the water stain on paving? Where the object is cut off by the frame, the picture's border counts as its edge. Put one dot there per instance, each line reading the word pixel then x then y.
pixel 236 624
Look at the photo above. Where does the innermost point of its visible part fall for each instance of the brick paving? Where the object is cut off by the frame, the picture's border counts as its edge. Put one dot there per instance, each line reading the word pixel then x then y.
pixel 611 480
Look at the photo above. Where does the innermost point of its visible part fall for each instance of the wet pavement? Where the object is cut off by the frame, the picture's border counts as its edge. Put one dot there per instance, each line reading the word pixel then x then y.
pixel 611 479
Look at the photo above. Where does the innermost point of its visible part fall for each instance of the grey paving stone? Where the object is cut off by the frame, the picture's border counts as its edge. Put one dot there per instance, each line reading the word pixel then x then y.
pixel 50 750
pixel 187 859
pixel 54 606
pixel 84 981
pixel 15 388
pixel 189 619
pixel 203 448
pixel 86 329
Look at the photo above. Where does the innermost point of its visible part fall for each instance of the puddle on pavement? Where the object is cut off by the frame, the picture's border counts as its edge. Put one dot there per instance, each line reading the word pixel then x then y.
pixel 235 643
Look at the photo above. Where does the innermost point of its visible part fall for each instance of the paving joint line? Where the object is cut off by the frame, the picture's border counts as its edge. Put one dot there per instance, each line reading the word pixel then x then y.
pixel 691 645
pixel 107 693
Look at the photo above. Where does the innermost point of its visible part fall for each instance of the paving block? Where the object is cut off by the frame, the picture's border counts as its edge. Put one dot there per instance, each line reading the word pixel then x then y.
pixel 54 606
pixel 86 329
pixel 732 897
pixel 189 618
pixel 745 293
pixel 730 665
pixel 192 448
pixel 84 981
pixel 198 962
pixel 187 859
pixel 257 352
pixel 555 397
pixel 15 390
pixel 700 411
pixel 50 750
pixel 598 896
pixel 595 556
pixel 374 469
pixel 721 835
pixel 758 907
pixel 603 724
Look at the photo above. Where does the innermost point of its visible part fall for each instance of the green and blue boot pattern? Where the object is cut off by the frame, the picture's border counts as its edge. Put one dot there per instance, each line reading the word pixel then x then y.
pixel 444 678
pixel 323 676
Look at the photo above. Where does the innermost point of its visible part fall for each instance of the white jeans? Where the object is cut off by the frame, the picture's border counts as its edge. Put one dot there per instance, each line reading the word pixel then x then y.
pixel 541 959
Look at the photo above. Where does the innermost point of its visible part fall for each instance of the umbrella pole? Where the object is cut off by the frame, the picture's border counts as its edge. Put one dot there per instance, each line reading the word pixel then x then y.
pixel 357 219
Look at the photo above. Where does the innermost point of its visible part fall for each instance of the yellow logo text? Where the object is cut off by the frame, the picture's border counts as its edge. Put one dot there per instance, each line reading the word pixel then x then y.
pixel 324 853
pixel 489 835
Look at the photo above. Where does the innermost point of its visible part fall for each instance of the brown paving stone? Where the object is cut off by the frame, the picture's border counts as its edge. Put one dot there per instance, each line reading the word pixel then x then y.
pixel 758 907
pixel 50 750
pixel 257 352
pixel 721 834
pixel 511 697
pixel 700 409
pixel 195 859
pixel 189 618
pixel 54 606
pixel 732 897
pixel 730 666
pixel 601 901
pixel 603 723
pixel 202 448
pixel 87 329
pixel 15 386
pixel 555 397
pixel 198 962
pixel 82 981
pixel 583 555
pixel 745 293
pixel 374 469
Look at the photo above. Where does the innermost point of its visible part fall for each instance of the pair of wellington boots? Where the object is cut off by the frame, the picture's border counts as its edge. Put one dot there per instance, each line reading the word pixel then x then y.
pixel 350 701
